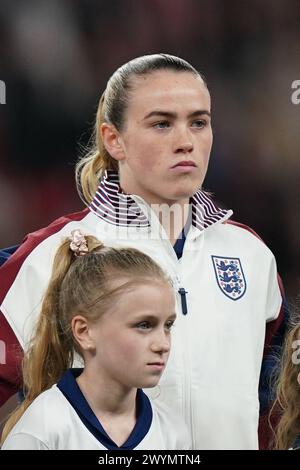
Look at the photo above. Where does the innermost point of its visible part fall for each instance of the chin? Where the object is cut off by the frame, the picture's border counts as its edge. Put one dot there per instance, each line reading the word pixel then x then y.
pixel 150 383
pixel 183 193
pixel 185 190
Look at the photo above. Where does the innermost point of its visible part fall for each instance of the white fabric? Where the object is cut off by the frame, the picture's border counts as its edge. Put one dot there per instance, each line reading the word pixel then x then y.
pixel 213 372
pixel 51 423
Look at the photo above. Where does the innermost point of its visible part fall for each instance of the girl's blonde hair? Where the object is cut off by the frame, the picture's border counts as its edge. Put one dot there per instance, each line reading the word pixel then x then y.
pixel 287 401
pixel 78 285
pixel 112 108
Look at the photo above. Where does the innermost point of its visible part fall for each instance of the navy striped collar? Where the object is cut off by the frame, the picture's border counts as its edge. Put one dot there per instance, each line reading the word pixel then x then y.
pixel 117 208
pixel 70 389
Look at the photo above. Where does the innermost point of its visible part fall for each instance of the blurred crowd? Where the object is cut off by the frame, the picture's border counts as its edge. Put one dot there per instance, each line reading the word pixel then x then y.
pixel 55 59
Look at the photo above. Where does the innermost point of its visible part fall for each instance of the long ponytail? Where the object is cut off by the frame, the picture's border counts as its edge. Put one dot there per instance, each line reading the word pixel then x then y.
pixel 92 166
pixel 50 352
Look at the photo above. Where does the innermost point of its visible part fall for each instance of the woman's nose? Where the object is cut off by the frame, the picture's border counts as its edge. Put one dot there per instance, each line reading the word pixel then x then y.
pixel 183 142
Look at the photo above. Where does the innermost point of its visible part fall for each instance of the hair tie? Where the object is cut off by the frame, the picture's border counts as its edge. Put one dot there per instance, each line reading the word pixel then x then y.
pixel 78 243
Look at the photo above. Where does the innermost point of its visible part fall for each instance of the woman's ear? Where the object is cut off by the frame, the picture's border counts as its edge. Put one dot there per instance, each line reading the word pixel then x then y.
pixel 112 141
pixel 298 378
pixel 81 333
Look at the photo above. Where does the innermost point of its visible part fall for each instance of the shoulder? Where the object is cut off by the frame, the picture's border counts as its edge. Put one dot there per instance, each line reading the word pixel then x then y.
pixel 34 239
pixel 48 406
pixel 242 228
pixel 24 276
pixel 23 441
pixel 41 422
pixel 243 236
pixel 41 243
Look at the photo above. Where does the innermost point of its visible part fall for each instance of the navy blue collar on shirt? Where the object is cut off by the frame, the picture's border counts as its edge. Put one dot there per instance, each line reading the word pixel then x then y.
pixel 70 389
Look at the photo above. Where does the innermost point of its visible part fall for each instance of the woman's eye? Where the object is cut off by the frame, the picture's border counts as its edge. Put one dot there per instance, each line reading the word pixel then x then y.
pixel 161 125
pixel 199 123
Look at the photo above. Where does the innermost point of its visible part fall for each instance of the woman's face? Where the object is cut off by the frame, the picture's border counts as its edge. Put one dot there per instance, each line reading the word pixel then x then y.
pixel 167 137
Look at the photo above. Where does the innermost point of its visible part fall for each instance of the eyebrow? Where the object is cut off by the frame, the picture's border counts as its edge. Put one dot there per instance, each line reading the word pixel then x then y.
pixel 149 317
pixel 168 114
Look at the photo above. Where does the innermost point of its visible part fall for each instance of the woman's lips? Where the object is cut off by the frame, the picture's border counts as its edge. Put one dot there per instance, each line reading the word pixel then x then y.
pixel 184 166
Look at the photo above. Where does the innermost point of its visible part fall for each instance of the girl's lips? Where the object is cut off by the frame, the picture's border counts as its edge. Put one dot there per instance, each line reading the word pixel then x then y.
pixel 157 365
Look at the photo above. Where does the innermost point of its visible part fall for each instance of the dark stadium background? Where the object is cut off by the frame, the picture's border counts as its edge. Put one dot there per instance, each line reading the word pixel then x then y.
pixel 56 56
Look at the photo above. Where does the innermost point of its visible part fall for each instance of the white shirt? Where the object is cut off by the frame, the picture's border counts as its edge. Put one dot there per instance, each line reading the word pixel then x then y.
pixel 61 419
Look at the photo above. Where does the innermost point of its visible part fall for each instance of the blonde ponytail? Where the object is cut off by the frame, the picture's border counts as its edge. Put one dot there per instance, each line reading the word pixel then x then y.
pixel 80 284
pixel 50 352
pixel 92 166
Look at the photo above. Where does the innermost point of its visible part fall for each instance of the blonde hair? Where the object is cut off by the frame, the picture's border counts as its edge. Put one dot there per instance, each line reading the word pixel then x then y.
pixel 78 285
pixel 111 109
pixel 288 392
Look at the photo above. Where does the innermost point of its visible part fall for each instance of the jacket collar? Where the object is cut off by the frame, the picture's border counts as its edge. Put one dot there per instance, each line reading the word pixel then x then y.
pixel 115 207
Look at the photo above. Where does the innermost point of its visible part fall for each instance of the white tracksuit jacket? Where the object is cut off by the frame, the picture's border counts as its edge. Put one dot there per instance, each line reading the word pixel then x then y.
pixel 229 276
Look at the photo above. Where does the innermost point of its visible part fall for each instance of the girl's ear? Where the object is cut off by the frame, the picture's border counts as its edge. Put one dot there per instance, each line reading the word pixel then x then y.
pixel 81 333
pixel 112 141
pixel 298 378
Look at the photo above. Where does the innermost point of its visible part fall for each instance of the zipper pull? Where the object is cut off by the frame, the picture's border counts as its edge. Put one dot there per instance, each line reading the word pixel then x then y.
pixel 182 293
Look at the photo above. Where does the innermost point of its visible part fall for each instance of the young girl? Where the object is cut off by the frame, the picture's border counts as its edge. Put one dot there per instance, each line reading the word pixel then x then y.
pixel 115 307
pixel 288 392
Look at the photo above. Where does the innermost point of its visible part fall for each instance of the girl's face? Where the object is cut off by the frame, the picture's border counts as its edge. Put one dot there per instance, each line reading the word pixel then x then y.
pixel 167 137
pixel 132 340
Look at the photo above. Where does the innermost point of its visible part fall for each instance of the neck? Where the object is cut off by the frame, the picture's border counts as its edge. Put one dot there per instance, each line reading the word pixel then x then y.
pixel 113 404
pixel 172 214
pixel 105 397
pixel 172 217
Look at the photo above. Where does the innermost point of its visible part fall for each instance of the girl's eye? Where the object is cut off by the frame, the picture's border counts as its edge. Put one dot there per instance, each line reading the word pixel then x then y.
pixel 145 325
pixel 161 125
pixel 169 324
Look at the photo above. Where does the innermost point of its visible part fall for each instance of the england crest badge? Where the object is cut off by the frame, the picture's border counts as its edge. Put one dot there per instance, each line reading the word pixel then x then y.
pixel 230 276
